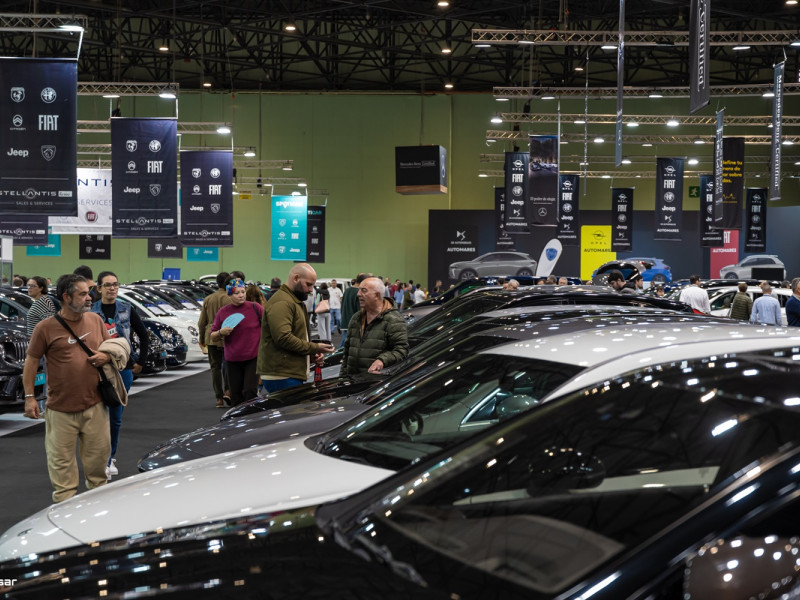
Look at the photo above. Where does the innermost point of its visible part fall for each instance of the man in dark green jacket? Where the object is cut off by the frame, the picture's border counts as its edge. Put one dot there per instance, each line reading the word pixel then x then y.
pixel 376 335
pixel 350 305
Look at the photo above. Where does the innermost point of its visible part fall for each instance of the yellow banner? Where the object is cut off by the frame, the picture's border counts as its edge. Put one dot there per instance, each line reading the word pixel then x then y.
pixel 595 248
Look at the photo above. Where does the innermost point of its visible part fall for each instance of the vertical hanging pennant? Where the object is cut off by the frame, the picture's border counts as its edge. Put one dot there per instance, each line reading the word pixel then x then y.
pixel 699 23
pixel 756 227
pixel 503 241
pixel 569 223
pixel 315 247
pixel 289 220
pixel 207 198
pixel 517 193
pixel 732 182
pixel 669 198
pixel 718 213
pixel 620 82
pixel 94 247
pixel 543 176
pixel 777 132
pixel 622 219
pixel 709 236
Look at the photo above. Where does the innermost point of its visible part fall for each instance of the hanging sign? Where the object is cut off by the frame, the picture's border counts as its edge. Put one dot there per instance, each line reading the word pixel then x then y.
pixel 777 132
pixel 732 182
pixel 289 227
pixel 164 248
pixel 710 237
pixel 622 219
pixel 516 193
pixel 502 241
pixel 756 227
pixel 27 230
pixel 315 246
pixel 699 26
pixel 94 247
pixel 669 198
pixel 719 211
pixel 94 205
pixel 207 198
pixel 569 222
pixel 543 180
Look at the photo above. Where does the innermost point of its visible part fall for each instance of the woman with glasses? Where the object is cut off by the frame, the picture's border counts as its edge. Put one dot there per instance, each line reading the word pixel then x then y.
pixel 121 320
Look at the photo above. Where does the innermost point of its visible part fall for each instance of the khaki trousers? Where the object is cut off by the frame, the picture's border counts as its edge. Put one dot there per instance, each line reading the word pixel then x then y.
pixel 90 429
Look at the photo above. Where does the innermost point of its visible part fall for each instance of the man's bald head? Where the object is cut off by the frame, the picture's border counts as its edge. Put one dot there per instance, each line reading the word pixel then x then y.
pixel 302 270
pixel 302 278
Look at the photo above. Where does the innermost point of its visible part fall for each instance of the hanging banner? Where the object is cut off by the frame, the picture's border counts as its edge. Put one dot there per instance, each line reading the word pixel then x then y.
pixel 727 254
pixel 207 198
pixel 756 228
pixel 144 170
pixel 39 112
pixel 719 175
pixel 94 247
pixel 543 180
pixel 315 248
pixel 517 193
pixel 51 248
pixel 732 182
pixel 699 25
pixel 620 83
pixel 569 222
pixel 503 241
pixel 164 248
pixel 669 198
pixel 289 227
pixel 709 236
pixel 27 230
pixel 622 220
pixel 202 254
pixel 94 205
pixel 420 169
pixel 777 134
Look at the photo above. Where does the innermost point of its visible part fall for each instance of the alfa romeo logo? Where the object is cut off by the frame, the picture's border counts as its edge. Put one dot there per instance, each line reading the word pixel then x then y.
pixel 154 145
pixel 669 197
pixel 215 173
pixel 48 95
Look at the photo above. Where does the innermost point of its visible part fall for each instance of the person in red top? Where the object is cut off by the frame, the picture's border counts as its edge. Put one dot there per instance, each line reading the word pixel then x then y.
pixel 241 341
pixel 75 412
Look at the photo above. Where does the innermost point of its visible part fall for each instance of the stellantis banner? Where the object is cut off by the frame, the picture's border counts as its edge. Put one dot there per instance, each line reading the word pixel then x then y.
pixel 207 198
pixel 669 198
pixel 622 219
pixel 315 247
pixel 569 221
pixel 777 131
pixel 719 175
pixel 144 169
pixel 289 227
pixel 164 248
pixel 756 232
pixel 699 25
pixel 27 230
pixel 517 193
pixel 503 241
pixel 709 236
pixel 732 182
pixel 38 110
pixel 543 180
pixel 94 205
pixel 94 247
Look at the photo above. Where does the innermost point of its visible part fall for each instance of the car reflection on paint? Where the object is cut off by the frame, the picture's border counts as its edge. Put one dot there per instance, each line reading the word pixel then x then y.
pixel 674 480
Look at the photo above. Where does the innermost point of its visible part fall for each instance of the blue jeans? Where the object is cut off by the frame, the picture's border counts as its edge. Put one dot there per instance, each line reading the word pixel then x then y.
pixel 115 413
pixel 344 337
pixel 273 385
pixel 336 318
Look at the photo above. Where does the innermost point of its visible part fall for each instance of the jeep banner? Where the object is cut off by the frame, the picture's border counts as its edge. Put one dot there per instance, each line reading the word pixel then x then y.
pixel 94 205
pixel 38 108
pixel 144 165
pixel 164 248
pixel 669 198
pixel 207 198
pixel 289 228
pixel 710 237
pixel 543 180
pixel 756 227
pixel 569 221
pixel 27 230
pixel 94 247
pixel 517 193
pixel 315 246
pixel 502 241
pixel 621 219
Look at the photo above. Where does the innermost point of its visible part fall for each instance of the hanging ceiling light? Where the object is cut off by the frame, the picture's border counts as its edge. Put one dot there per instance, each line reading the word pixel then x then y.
pixel 168 93
pixel 289 26
pixel 250 152
pixel 448 85
pixel 224 129
pixel 496 119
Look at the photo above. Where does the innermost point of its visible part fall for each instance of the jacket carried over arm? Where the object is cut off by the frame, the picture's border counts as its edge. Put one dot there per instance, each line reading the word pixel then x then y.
pixel 385 338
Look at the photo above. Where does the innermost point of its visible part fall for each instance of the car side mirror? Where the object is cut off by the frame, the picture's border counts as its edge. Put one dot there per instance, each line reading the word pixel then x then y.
pixel 565 469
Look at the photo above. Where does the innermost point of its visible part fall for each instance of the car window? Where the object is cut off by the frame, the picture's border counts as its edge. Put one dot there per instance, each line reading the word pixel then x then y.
pixel 463 311
pixel 722 301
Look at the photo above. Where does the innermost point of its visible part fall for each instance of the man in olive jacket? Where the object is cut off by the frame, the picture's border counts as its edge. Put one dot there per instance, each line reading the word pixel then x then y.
pixel 376 335
pixel 283 356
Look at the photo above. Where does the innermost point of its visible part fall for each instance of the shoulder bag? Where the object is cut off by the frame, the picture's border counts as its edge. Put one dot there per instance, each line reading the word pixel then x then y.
pixel 322 307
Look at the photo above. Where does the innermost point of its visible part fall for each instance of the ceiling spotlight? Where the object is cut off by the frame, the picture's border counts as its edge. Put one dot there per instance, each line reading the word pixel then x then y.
pixel 68 27
pixel 110 95
pixel 579 68
pixel 164 47
pixel 795 43
pixel 250 152
pixel 287 166
pixel 626 161
pixel 673 123
pixel 223 129
pixel 598 140
pixel 647 145
pixel 289 26
pixel 168 93
pixel 632 124
pixel 699 141
pixel 655 94
pixel 548 97
pixel 490 140
pixel 768 94
pixel 579 122
pixel 787 143
pixel 693 161
pixel 447 50
pixel 608 47
pixel 482 175
pixel 448 85
pixel 442 4
pixel 741 48
pixel 482 45
pixel 302 184
pixel 206 84
pixel 606 176
pixel 791 2
pixel 502 99
pixel 496 119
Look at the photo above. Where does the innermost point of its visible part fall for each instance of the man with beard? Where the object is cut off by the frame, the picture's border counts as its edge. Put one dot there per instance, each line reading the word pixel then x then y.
pixel 75 412
pixel 285 350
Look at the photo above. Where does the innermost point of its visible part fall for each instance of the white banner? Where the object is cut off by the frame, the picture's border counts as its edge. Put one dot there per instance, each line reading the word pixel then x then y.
pixel 94 205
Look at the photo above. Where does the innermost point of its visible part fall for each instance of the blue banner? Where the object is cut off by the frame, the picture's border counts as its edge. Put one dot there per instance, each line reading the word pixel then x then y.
pixel 38 110
pixel 52 248
pixel 289 227
pixel 144 169
pixel 26 230
pixel 202 254
pixel 207 198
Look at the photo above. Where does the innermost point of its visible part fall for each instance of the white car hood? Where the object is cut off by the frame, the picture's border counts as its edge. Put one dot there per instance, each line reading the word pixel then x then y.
pixel 280 476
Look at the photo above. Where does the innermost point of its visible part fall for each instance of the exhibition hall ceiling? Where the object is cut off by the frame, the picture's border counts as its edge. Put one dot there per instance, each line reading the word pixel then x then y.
pixel 400 46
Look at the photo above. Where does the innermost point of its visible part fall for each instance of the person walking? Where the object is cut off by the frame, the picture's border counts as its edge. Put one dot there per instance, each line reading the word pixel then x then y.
pixel 742 304
pixel 793 304
pixel 43 305
pixel 695 296
pixel 323 312
pixel 767 308
pixel 216 355
pixel 336 306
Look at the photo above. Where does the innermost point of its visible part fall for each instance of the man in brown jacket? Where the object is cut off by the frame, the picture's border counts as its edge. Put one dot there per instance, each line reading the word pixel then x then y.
pixel 211 305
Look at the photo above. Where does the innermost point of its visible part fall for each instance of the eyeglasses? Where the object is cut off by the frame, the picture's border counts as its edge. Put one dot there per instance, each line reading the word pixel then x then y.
pixel 108 286
pixel 34 285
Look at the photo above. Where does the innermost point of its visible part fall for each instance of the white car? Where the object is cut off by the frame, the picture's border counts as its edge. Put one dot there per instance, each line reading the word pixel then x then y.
pixel 432 414
pixel 744 268
pixel 721 299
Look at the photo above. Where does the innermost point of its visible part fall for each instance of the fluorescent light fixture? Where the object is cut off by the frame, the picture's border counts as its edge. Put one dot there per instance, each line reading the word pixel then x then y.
pixel 768 95
pixel 699 141
pixel 110 95
pixel 608 47
pixel 496 120
pixel 579 122
pixel 223 129
pixel 693 161
pixel 168 93
pixel 791 2
pixel 491 140
pixel 647 145
pixel 598 140
pixel 442 4
pixel 206 84
pixel 631 124
pixel 302 184
pixel 525 41
pixel 501 99
pixel 606 176
pixel 579 69
pixel 287 167
pixel 673 123
pixel 67 27
pixel 795 43
pixel 741 48
pixel 548 97
pixel 482 45
pixel 164 47
pixel 655 94
pixel 787 143
pixel 482 175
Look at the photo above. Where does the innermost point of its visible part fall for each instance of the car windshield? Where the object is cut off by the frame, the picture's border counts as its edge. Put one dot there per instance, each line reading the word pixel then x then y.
pixel 160 298
pixel 183 300
pixel 444 408
pixel 462 310
pixel 157 308
pixel 550 496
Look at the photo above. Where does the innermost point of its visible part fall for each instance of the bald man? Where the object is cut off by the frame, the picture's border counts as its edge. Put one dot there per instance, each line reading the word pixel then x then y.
pixel 285 352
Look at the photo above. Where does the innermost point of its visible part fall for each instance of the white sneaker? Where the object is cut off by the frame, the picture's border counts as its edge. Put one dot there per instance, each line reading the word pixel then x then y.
pixel 111 469
pixel 108 474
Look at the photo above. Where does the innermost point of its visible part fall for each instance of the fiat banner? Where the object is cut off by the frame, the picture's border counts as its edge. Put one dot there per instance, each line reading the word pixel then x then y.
pixel 517 193
pixel 503 241
pixel 315 246
pixel 39 116
pixel 732 182
pixel 669 198
pixel 710 237
pixel 144 164
pixel 94 205
pixel 207 198
pixel 569 222
pixel 289 228
pixel 27 230
pixel 622 219
pixel 756 226
pixel 543 180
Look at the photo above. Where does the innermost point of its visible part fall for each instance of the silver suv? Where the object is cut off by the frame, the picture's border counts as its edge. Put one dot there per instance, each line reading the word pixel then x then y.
pixel 494 263
pixel 744 268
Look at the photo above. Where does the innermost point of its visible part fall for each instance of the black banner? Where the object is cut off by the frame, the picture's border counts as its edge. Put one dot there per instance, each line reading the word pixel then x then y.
pixel 420 169
pixel 517 193
pixel 164 248
pixel 569 221
pixel 756 229
pixel 503 241
pixel 710 237
pixel 27 230
pixel 777 132
pixel 94 247
pixel 699 25
pixel 207 198
pixel 732 182
pixel 719 173
pixel 622 220
pixel 669 198
pixel 620 84
pixel 39 112
pixel 543 180
pixel 315 235
pixel 144 165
